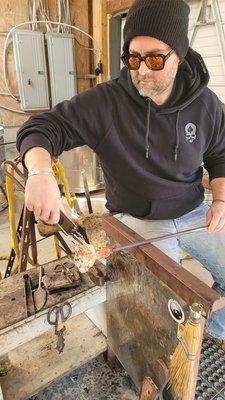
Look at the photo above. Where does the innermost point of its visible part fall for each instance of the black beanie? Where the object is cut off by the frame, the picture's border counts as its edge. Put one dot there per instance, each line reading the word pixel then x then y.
pixel 165 20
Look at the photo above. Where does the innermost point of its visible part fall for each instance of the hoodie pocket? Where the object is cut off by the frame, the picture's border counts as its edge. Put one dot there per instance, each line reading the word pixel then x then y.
pixel 176 207
pixel 119 200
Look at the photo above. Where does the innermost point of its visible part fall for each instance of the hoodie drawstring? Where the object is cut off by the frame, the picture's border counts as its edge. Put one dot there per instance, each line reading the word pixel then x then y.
pixel 147 130
pixel 177 137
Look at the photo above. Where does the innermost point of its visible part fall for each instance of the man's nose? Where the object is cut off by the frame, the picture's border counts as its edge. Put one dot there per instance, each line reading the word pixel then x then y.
pixel 143 69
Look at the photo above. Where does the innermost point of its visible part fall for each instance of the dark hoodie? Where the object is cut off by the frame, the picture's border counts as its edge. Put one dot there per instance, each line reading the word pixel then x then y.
pixel 151 156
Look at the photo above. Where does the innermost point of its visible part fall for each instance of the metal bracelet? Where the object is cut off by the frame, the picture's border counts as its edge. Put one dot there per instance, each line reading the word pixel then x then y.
pixel 40 172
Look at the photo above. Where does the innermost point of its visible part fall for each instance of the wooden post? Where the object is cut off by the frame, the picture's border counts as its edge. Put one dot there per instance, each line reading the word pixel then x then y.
pixel 100 34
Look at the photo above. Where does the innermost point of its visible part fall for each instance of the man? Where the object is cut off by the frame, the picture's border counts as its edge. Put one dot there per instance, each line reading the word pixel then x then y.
pixel 152 128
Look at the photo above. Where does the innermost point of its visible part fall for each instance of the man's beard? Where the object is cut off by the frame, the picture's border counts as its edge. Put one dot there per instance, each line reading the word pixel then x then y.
pixel 155 87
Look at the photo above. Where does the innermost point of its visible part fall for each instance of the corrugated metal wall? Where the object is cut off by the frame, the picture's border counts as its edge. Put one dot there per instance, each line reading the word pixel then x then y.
pixel 207 36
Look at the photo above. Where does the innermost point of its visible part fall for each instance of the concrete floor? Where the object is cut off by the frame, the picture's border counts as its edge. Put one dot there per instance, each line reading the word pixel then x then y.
pixel 95 380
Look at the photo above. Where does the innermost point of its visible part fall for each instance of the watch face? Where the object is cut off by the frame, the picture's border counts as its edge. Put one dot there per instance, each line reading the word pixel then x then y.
pixel 176 311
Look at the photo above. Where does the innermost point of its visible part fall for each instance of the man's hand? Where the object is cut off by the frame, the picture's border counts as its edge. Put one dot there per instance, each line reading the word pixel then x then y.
pixel 42 196
pixel 215 218
pixel 41 192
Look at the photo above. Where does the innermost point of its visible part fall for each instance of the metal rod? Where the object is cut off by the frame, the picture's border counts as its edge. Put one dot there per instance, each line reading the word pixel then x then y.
pixel 40 276
pixel 18 183
pixel 77 235
pixel 158 238
pixel 73 235
pixel 6 143
pixel 76 206
pixel 66 248
pixel 68 255
pixel 86 189
pixel 61 228
pixel 37 241
pixel 77 239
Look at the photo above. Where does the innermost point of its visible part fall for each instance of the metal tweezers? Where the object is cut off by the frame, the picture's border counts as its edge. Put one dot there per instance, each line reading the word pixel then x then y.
pixel 73 233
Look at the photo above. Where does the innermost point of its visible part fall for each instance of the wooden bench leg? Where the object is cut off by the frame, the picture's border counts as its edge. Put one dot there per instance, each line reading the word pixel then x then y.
pixel 110 357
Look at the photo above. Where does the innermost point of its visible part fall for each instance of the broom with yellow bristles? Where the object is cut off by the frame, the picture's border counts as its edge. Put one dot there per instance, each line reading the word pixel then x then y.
pixel 182 367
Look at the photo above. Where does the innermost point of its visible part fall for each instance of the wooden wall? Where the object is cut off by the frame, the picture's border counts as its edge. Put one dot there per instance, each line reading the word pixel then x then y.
pixel 116 6
pixel 14 12
pixel 100 33
pixel 103 10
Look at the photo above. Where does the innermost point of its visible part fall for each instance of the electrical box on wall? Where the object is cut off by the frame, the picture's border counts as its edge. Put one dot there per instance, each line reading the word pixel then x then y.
pixel 29 55
pixel 61 64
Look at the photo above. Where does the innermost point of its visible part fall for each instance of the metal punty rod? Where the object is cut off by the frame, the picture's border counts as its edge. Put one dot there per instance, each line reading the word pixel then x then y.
pixel 158 238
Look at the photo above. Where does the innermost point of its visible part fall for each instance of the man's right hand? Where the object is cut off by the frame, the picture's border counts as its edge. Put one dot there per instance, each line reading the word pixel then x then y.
pixel 42 193
pixel 42 196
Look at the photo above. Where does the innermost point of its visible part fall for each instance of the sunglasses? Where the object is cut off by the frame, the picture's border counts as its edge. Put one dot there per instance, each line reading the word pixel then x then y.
pixel 155 62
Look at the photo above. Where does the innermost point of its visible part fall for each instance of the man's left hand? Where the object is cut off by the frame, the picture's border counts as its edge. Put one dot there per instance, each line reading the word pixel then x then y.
pixel 215 218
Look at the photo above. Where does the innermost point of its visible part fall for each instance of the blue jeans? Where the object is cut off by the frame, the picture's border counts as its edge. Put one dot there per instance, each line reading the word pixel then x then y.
pixel 207 248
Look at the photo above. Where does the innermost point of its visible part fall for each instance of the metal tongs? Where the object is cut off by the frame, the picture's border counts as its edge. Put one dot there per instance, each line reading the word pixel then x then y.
pixel 68 227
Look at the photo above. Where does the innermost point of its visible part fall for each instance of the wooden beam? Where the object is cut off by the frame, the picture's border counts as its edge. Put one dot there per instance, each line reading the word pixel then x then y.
pixel 181 281
pixel 116 6
pixel 34 326
pixel 79 12
pixel 100 34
